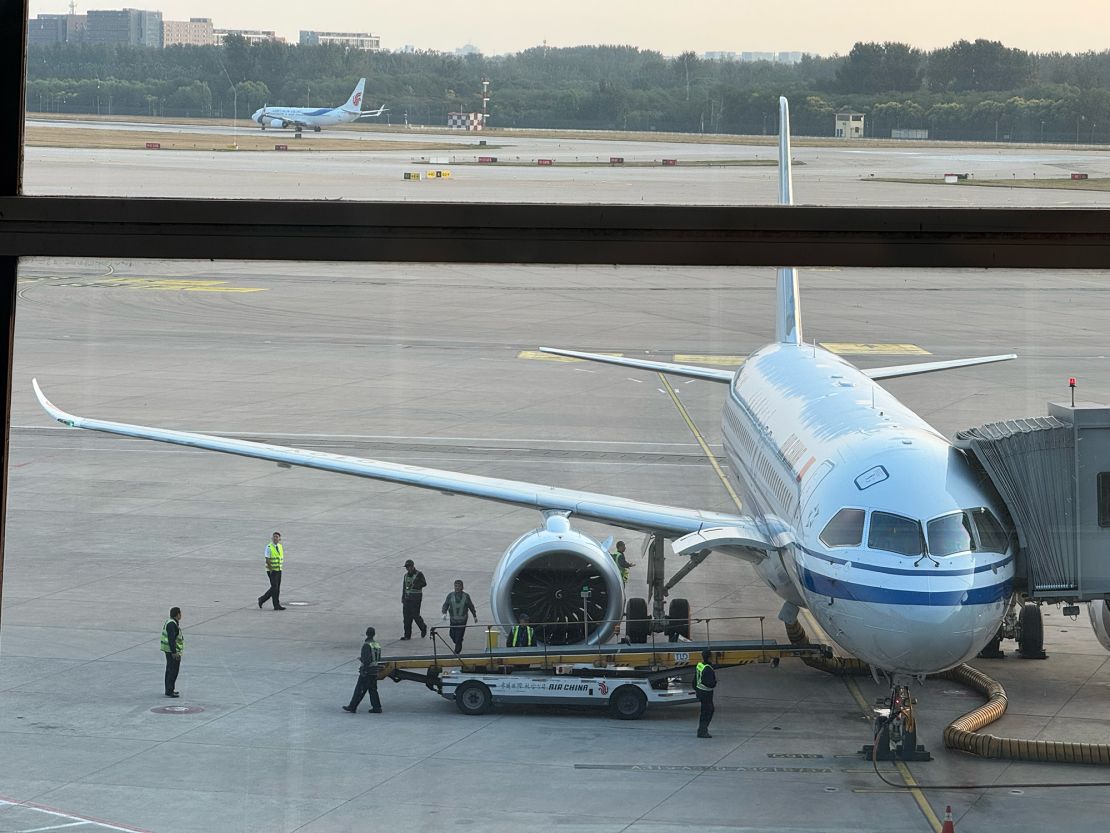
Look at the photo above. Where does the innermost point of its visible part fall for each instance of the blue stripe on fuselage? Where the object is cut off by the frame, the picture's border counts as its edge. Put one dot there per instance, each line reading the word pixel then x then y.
pixel 837 589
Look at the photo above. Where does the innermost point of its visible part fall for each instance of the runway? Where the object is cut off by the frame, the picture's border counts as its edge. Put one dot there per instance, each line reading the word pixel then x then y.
pixel 823 175
pixel 435 365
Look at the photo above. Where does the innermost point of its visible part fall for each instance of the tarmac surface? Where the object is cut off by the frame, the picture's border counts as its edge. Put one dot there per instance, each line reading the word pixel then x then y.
pixel 430 365
pixel 823 175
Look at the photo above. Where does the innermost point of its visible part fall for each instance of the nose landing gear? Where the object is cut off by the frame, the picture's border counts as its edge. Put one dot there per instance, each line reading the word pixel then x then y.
pixel 896 730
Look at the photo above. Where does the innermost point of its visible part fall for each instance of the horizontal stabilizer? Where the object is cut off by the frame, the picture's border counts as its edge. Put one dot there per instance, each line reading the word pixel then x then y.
pixel 932 367
pixel 690 370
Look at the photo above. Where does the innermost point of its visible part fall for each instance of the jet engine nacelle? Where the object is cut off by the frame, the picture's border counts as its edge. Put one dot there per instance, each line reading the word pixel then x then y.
pixel 544 574
pixel 271 122
pixel 1100 621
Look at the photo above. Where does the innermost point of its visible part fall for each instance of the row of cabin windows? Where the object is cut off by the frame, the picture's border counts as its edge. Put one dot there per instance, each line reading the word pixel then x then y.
pixel 971 530
pixel 767 470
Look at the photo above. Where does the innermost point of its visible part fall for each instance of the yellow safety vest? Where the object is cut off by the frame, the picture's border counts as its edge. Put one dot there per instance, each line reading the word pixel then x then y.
pixel 277 556
pixel 697 676
pixel 624 570
pixel 166 638
pixel 515 639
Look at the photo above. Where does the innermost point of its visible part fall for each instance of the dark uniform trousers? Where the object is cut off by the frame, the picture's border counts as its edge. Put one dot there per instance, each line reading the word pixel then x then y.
pixel 367 684
pixel 173 665
pixel 275 588
pixel 707 709
pixel 410 610
pixel 458 631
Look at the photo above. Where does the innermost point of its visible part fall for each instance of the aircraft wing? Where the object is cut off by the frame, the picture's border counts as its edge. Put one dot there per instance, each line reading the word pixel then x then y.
pixel 896 371
pixel 693 371
pixel 670 521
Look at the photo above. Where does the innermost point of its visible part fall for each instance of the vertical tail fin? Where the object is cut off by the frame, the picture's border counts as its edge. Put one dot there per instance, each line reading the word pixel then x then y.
pixel 355 101
pixel 788 324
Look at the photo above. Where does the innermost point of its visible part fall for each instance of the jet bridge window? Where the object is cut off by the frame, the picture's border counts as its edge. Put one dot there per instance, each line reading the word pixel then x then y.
pixel 951 534
pixel 894 533
pixel 844 530
pixel 992 537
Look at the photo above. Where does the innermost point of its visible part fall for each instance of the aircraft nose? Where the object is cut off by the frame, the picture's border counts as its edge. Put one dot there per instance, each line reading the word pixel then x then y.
pixel 910 639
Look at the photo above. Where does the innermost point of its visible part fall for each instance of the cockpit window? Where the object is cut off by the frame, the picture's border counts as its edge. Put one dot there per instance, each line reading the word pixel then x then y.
pixel 844 530
pixel 950 534
pixel 894 533
pixel 992 537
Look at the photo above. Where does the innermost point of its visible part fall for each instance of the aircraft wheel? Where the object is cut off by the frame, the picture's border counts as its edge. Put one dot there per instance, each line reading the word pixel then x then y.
pixel 627 703
pixel 473 697
pixel 678 619
pixel 636 620
pixel 1030 632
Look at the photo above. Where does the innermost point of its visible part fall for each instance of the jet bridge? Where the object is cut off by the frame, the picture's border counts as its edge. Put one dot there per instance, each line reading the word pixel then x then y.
pixel 1053 474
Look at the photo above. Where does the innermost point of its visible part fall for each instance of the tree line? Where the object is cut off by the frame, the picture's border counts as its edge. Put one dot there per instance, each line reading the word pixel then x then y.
pixel 979 90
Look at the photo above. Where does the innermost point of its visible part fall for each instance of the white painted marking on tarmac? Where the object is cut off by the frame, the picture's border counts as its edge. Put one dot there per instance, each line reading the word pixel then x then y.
pixel 77 821
pixel 54 827
pixel 637 381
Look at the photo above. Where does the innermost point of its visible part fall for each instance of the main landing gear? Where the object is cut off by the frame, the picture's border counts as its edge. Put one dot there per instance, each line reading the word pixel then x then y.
pixel 896 730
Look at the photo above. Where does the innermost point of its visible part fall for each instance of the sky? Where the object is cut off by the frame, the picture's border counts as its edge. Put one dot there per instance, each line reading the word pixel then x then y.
pixel 821 27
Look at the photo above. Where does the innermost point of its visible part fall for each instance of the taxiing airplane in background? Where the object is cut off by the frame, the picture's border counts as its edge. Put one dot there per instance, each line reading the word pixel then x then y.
pixel 855 508
pixel 314 117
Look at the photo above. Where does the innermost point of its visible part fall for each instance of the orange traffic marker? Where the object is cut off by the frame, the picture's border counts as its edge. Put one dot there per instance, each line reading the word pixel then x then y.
pixel 948 826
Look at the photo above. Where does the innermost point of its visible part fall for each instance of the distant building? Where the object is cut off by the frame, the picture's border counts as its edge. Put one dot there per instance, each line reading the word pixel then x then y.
pixel 788 57
pixel 124 27
pixel 468 49
pixel 353 40
pixel 720 56
pixel 196 31
pixel 251 36
pixel 56 28
pixel 750 57
pixel 772 57
pixel 849 125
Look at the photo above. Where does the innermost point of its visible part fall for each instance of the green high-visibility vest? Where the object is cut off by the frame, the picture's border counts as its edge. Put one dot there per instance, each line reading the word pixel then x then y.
pixel 697 676
pixel 515 639
pixel 166 638
pixel 624 570
pixel 376 650
pixel 456 604
pixel 277 556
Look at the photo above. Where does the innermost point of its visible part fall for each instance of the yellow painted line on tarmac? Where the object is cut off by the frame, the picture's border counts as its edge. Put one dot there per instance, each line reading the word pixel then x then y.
pixel 701 440
pixel 536 355
pixel 852 348
pixel 726 361
pixel 175 285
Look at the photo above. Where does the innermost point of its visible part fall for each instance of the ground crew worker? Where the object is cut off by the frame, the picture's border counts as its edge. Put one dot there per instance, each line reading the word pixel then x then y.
pixel 173 643
pixel 622 562
pixel 458 604
pixel 412 595
pixel 523 635
pixel 275 560
pixel 370 658
pixel 705 680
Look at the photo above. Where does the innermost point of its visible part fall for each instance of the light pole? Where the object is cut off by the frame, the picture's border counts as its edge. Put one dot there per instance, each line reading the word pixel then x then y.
pixel 1042 131
pixel 234 109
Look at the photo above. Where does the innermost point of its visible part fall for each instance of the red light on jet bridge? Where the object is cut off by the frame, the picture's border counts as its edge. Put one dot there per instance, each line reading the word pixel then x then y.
pixel 1071 381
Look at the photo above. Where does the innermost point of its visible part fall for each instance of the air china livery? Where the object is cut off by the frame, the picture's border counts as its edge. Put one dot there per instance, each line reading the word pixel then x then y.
pixel 316 118
pixel 854 507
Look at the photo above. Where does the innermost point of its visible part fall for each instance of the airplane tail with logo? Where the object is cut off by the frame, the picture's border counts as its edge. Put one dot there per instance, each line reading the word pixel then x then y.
pixel 788 324
pixel 354 103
